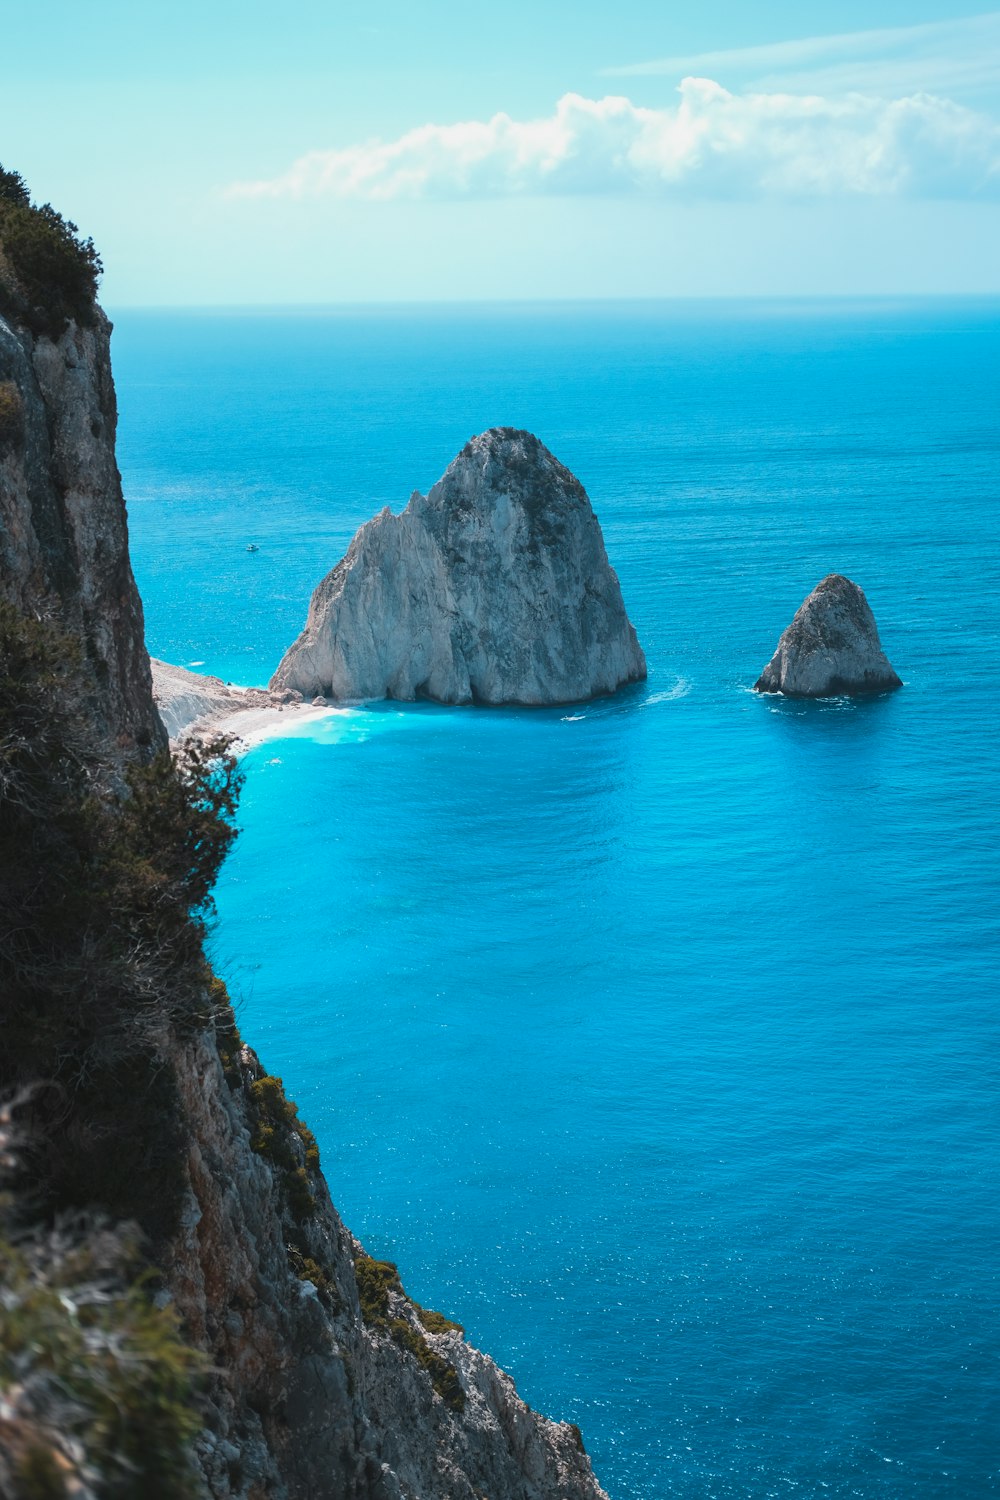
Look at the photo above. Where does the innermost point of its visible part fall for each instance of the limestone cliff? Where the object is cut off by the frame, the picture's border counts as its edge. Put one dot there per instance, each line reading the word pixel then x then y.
pixel 63 530
pixel 326 1382
pixel 335 1383
pixel 831 647
pixel 495 587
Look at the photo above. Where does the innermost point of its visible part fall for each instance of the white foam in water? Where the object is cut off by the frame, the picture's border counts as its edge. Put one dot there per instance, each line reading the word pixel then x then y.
pixel 337 726
pixel 680 689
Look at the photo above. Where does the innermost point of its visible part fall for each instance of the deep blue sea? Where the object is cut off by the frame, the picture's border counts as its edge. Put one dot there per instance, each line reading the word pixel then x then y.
pixel 656 1040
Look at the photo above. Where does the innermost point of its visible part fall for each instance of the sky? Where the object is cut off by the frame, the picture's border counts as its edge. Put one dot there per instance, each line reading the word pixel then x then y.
pixel 225 153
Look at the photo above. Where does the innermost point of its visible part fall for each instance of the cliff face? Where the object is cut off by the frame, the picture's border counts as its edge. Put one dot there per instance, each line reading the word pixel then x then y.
pixel 63 530
pixel 335 1383
pixel 493 588
pixel 326 1379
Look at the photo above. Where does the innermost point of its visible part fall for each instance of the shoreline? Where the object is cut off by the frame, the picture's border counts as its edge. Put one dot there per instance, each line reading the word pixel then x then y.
pixel 251 727
pixel 193 705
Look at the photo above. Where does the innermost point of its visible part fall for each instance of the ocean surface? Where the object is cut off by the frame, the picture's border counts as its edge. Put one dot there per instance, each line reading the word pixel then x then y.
pixel 655 1039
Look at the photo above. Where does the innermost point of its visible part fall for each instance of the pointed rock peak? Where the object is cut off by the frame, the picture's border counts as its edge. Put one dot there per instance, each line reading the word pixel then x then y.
pixel 512 461
pixel 506 445
pixel 494 588
pixel 831 647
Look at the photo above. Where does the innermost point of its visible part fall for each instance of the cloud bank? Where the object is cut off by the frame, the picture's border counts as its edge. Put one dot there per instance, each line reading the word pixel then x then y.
pixel 712 144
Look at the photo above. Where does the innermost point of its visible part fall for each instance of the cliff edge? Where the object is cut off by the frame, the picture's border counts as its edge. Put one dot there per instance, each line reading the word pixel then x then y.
pixel 492 588
pixel 63 529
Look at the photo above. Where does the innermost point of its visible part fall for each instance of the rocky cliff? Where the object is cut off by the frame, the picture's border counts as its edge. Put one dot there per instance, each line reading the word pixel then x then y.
pixel 63 531
pixel 831 647
pixel 335 1383
pixel 493 588
pixel 323 1380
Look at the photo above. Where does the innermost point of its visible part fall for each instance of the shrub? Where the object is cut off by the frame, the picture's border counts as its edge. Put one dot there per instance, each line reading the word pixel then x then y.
pixel 310 1144
pixel 308 1269
pixel 170 835
pixel 301 1203
pixel 51 271
pixel 376 1279
pixel 98 1382
pixel 276 1115
pixel 436 1322
pixel 444 1376
pixel 105 893
pixel 14 189
pixel 276 1131
pixel 227 1037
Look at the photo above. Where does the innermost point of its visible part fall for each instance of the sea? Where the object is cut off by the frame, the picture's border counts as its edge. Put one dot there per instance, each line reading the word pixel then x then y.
pixel 654 1038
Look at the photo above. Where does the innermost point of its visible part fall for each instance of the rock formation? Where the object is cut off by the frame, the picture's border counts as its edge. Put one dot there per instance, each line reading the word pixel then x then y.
pixel 830 648
pixel 493 588
pixel 334 1382
pixel 326 1382
pixel 63 531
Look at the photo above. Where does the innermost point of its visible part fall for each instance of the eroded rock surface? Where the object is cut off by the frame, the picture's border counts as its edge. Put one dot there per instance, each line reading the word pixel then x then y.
pixel 334 1384
pixel 495 587
pixel 63 531
pixel 831 647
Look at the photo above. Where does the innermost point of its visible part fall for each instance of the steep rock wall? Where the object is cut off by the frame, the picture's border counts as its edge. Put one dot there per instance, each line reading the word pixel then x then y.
pixel 63 528
pixel 320 1399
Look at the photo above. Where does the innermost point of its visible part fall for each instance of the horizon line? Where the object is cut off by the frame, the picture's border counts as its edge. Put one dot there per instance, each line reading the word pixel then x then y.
pixel 679 298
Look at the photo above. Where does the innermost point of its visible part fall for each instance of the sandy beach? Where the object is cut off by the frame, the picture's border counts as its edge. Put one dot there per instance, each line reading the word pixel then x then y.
pixel 194 705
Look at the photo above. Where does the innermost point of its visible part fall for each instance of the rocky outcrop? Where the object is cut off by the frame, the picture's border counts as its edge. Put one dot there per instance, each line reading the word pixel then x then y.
pixel 63 529
pixel 830 648
pixel 493 588
pixel 336 1385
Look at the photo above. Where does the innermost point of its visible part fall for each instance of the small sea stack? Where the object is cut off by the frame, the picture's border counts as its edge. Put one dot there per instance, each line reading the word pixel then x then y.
pixel 831 648
pixel 492 588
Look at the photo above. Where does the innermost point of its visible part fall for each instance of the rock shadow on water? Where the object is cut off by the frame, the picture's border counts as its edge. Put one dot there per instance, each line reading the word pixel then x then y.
pixel 842 720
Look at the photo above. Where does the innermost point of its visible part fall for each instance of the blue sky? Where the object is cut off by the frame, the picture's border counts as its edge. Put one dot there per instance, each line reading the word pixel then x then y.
pixel 246 153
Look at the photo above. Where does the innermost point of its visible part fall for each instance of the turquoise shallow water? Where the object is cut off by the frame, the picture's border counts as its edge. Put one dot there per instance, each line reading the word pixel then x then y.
pixel 655 1039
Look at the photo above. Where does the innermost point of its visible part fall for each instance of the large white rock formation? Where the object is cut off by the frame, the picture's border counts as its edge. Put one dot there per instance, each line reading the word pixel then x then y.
pixel 493 588
pixel 830 648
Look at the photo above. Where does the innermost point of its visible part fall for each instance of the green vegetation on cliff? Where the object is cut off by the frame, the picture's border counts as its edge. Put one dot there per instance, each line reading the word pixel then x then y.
pixel 105 891
pixel 48 272
pixel 98 1381
pixel 379 1279
pixel 106 872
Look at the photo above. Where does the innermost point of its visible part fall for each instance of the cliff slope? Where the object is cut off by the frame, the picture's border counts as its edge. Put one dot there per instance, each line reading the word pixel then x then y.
pixel 493 588
pixel 324 1381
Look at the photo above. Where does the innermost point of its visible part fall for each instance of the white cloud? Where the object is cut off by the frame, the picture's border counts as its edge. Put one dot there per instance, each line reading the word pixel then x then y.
pixel 935 56
pixel 713 144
